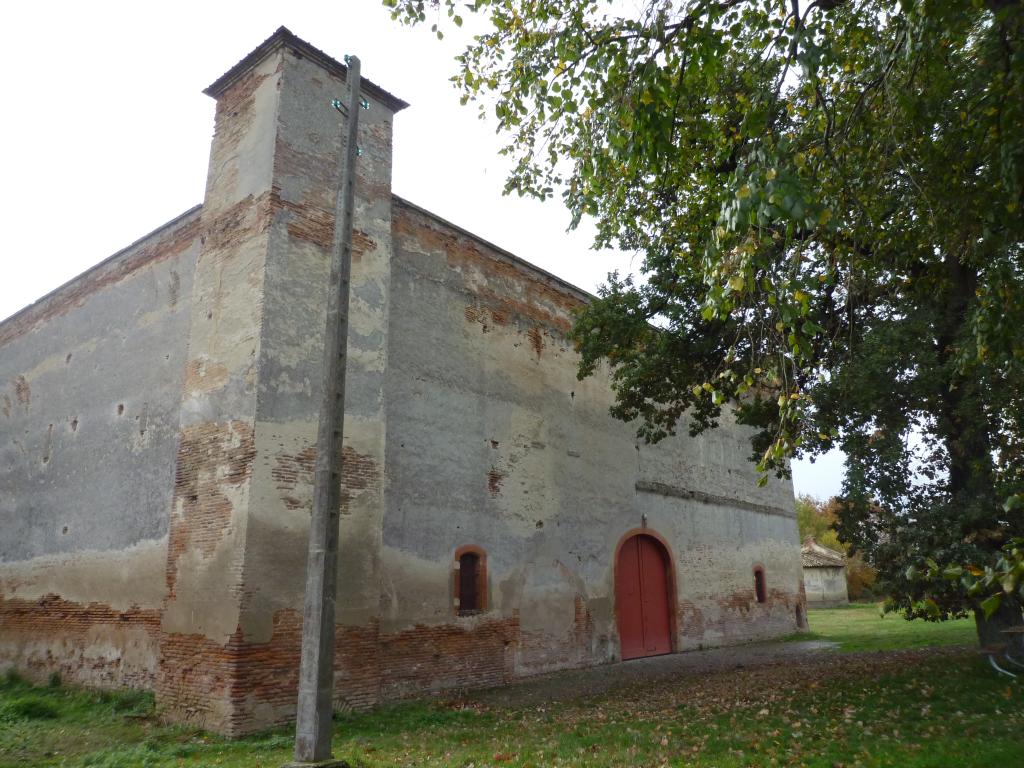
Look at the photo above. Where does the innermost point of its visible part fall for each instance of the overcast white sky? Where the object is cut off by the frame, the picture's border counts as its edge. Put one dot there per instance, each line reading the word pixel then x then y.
pixel 105 136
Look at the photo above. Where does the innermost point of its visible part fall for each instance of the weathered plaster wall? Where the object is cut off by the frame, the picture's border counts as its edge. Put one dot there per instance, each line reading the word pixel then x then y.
pixel 493 441
pixel 825 586
pixel 90 381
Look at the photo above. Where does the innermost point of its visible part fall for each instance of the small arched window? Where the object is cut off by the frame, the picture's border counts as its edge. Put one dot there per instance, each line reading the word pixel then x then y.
pixel 759 585
pixel 470 581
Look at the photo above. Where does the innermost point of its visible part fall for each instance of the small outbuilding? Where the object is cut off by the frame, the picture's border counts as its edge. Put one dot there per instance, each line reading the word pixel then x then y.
pixel 824 575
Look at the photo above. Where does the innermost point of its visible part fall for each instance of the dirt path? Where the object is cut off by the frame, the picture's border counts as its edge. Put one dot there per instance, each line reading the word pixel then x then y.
pixel 595 681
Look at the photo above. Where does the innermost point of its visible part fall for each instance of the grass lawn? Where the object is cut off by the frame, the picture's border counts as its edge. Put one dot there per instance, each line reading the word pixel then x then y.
pixel 907 708
pixel 863 627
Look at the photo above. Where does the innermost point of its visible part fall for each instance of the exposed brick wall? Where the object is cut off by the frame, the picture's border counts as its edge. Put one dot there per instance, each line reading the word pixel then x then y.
pixel 194 681
pixel 445 656
pixel 90 643
pixel 293 477
pixel 242 686
pixel 212 458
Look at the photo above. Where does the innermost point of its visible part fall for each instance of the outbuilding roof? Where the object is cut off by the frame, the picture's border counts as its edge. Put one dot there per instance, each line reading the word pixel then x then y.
pixel 814 555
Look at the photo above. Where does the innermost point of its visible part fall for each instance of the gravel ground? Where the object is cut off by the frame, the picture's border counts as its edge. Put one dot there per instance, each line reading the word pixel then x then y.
pixel 594 681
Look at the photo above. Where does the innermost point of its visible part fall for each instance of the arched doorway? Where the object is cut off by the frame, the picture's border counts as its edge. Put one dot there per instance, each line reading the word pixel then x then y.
pixel 642 594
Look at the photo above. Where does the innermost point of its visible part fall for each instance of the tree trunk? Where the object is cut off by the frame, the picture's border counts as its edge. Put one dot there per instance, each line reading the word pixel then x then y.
pixel 990 630
pixel 962 419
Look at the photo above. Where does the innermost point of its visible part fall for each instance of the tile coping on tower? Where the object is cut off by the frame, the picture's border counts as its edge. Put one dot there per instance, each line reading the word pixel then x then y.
pixel 284 37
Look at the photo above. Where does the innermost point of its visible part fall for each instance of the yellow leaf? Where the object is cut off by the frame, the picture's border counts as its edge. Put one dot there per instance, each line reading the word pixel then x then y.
pixel 744 192
pixel 772 173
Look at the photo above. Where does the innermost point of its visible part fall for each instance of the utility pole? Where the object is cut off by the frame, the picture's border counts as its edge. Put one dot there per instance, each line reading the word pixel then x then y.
pixel 316 670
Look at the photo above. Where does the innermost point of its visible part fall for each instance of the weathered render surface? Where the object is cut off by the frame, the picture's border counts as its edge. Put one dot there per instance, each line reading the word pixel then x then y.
pixel 90 384
pixel 494 442
pixel 162 544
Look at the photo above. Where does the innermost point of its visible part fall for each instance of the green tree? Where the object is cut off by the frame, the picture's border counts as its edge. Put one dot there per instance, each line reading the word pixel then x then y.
pixel 817 521
pixel 828 199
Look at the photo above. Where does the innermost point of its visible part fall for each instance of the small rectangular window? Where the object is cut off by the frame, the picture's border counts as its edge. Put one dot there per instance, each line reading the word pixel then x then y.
pixel 469 566
pixel 470 581
pixel 759 588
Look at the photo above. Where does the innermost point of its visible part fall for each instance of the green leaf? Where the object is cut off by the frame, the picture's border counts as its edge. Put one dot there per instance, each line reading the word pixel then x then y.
pixel 990 605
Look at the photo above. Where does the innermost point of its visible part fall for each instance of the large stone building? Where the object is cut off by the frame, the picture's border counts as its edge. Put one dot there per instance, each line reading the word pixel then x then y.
pixel 157 421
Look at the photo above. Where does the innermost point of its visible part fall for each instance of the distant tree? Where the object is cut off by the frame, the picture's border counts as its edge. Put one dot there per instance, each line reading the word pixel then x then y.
pixel 828 199
pixel 815 520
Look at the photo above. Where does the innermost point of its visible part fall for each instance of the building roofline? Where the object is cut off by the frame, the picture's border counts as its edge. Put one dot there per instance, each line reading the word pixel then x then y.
pixel 285 38
pixel 100 265
pixel 548 277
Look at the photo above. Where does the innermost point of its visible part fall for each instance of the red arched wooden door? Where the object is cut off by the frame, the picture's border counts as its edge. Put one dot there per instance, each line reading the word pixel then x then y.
pixel 642 598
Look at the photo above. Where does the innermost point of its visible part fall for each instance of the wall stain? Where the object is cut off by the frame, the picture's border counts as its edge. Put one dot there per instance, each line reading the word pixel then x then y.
pixel 174 290
pixel 536 340
pixel 48 445
pixel 494 480
pixel 22 391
